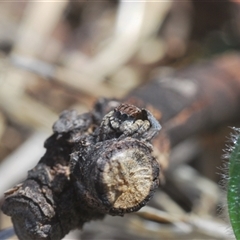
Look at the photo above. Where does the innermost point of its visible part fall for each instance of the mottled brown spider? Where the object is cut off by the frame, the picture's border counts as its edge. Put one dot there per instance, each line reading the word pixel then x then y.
pixel 129 120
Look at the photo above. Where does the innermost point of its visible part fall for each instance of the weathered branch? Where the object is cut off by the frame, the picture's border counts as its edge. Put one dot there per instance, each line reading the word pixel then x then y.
pixel 197 98
pixel 97 163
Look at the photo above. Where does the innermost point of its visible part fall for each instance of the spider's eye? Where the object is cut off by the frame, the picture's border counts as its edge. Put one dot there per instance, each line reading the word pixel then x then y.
pixel 117 114
pixel 124 117
pixel 144 114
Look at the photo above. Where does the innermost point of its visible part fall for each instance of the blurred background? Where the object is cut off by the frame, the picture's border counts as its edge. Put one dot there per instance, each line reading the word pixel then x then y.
pixel 66 54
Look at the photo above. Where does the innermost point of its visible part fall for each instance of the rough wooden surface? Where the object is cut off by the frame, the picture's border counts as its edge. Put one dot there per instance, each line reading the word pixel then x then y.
pixel 83 176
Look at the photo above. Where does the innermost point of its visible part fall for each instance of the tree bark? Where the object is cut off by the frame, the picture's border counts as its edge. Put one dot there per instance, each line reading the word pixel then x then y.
pixel 96 163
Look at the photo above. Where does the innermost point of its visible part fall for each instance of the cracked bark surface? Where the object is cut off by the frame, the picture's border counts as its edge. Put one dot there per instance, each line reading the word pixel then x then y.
pixel 97 163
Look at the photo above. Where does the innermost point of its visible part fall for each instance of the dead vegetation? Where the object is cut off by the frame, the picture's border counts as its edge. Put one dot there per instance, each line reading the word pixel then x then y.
pixel 64 55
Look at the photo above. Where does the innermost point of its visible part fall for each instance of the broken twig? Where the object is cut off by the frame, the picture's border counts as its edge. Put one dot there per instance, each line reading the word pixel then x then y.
pixel 96 163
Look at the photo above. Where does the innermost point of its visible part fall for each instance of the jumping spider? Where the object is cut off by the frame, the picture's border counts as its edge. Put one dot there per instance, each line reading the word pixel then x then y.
pixel 129 120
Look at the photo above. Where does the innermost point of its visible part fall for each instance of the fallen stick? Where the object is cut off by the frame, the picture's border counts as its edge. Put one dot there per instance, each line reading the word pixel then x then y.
pixel 97 163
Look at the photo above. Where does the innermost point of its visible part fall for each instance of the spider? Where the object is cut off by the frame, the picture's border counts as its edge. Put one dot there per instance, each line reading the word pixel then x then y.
pixel 129 120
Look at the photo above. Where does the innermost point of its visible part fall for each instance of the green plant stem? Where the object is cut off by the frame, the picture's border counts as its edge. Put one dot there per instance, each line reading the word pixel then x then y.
pixel 233 191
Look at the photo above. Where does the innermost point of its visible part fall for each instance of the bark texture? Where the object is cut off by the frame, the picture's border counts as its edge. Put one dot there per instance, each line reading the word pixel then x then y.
pixel 97 163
